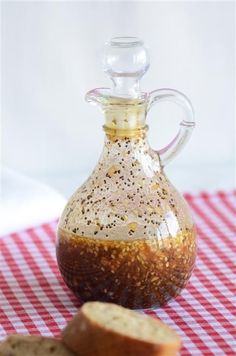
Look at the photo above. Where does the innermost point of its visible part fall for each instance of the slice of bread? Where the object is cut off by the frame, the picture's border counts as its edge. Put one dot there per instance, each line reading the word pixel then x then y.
pixel 20 345
pixel 105 329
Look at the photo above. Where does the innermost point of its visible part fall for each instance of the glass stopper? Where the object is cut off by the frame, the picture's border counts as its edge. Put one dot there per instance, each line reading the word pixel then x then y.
pixel 125 60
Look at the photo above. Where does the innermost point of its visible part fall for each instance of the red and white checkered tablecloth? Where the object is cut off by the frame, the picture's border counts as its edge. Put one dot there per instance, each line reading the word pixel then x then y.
pixel 34 299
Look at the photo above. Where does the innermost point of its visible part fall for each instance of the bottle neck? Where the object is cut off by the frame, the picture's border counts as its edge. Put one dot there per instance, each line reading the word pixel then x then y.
pixel 125 116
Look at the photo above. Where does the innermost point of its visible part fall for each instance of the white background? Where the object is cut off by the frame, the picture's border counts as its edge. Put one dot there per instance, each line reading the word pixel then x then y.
pixel 50 59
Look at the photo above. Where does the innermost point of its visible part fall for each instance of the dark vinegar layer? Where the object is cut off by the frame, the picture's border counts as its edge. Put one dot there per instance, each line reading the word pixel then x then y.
pixel 135 274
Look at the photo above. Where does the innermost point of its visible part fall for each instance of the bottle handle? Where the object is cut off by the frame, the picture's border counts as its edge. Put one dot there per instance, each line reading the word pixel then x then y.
pixel 171 150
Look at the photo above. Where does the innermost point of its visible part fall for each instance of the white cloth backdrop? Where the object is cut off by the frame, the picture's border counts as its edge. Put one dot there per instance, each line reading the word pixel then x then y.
pixel 26 203
pixel 50 59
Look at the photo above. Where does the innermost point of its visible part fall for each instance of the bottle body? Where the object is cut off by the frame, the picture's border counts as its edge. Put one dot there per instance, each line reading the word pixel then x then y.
pixel 126 236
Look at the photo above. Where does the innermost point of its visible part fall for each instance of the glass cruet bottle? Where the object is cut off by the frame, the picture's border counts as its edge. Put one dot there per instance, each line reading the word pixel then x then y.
pixel 126 235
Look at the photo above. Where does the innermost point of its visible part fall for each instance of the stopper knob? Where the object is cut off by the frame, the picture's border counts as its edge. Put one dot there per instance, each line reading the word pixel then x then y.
pixel 125 60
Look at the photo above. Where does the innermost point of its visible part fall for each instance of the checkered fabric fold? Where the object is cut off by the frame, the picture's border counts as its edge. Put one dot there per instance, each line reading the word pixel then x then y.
pixel 34 299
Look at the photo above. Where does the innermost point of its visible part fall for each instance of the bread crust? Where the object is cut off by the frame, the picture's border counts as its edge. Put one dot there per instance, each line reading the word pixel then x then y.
pixel 26 345
pixel 88 337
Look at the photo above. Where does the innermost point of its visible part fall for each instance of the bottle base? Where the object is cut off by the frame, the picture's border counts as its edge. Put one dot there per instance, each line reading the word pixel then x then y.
pixel 130 303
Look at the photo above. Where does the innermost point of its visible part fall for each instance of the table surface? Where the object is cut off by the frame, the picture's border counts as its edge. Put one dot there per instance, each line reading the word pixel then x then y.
pixel 34 299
